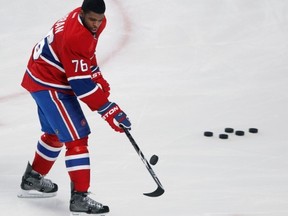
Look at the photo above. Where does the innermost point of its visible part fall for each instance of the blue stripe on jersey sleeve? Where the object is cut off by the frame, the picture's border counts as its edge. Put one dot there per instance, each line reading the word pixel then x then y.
pixel 82 86
pixel 95 69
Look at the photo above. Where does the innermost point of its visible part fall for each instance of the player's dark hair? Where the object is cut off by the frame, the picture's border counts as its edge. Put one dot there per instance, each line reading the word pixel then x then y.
pixel 97 6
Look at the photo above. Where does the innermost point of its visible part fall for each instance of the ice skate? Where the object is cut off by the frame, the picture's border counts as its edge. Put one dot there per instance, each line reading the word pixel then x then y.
pixel 34 185
pixel 82 204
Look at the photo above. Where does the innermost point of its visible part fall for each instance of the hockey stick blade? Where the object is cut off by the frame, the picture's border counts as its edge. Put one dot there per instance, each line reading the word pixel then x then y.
pixel 160 190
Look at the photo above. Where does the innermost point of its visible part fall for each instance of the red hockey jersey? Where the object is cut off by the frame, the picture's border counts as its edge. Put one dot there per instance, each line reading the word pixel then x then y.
pixel 65 61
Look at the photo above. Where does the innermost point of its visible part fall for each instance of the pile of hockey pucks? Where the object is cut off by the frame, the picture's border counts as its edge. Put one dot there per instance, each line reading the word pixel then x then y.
pixel 230 130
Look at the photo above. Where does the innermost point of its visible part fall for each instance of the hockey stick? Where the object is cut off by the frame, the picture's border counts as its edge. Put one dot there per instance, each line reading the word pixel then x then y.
pixel 160 190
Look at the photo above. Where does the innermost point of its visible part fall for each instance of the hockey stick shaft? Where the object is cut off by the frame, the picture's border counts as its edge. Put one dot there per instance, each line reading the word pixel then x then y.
pixel 160 190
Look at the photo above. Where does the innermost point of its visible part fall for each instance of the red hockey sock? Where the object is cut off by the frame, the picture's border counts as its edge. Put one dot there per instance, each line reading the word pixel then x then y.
pixel 48 149
pixel 78 164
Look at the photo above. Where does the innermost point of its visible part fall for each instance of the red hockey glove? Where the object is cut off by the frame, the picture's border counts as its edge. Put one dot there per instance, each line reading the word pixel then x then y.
pixel 98 78
pixel 112 113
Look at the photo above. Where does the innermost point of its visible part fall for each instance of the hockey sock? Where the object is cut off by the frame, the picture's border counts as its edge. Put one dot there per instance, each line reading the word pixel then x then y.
pixel 48 149
pixel 78 164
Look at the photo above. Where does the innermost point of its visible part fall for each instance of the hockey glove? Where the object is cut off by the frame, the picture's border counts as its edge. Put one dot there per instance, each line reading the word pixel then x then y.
pixel 98 78
pixel 112 113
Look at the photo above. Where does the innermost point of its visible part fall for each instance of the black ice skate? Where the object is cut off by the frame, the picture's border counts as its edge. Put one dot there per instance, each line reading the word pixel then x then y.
pixel 34 185
pixel 81 204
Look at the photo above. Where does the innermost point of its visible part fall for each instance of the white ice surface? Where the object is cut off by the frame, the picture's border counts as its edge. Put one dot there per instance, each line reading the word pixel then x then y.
pixel 177 68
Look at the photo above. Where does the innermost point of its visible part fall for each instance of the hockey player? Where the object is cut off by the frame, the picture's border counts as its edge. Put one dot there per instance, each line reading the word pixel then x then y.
pixel 62 69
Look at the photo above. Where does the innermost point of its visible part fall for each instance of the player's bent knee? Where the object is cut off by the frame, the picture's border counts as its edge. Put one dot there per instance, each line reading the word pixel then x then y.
pixel 51 140
pixel 79 145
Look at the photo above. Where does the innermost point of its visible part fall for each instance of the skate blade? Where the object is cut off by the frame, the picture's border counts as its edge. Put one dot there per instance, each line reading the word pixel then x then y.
pixel 34 194
pixel 85 214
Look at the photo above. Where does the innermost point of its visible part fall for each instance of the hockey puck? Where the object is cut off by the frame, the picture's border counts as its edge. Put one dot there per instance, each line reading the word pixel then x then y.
pixel 208 133
pixel 253 130
pixel 223 136
pixel 153 159
pixel 229 130
pixel 239 133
